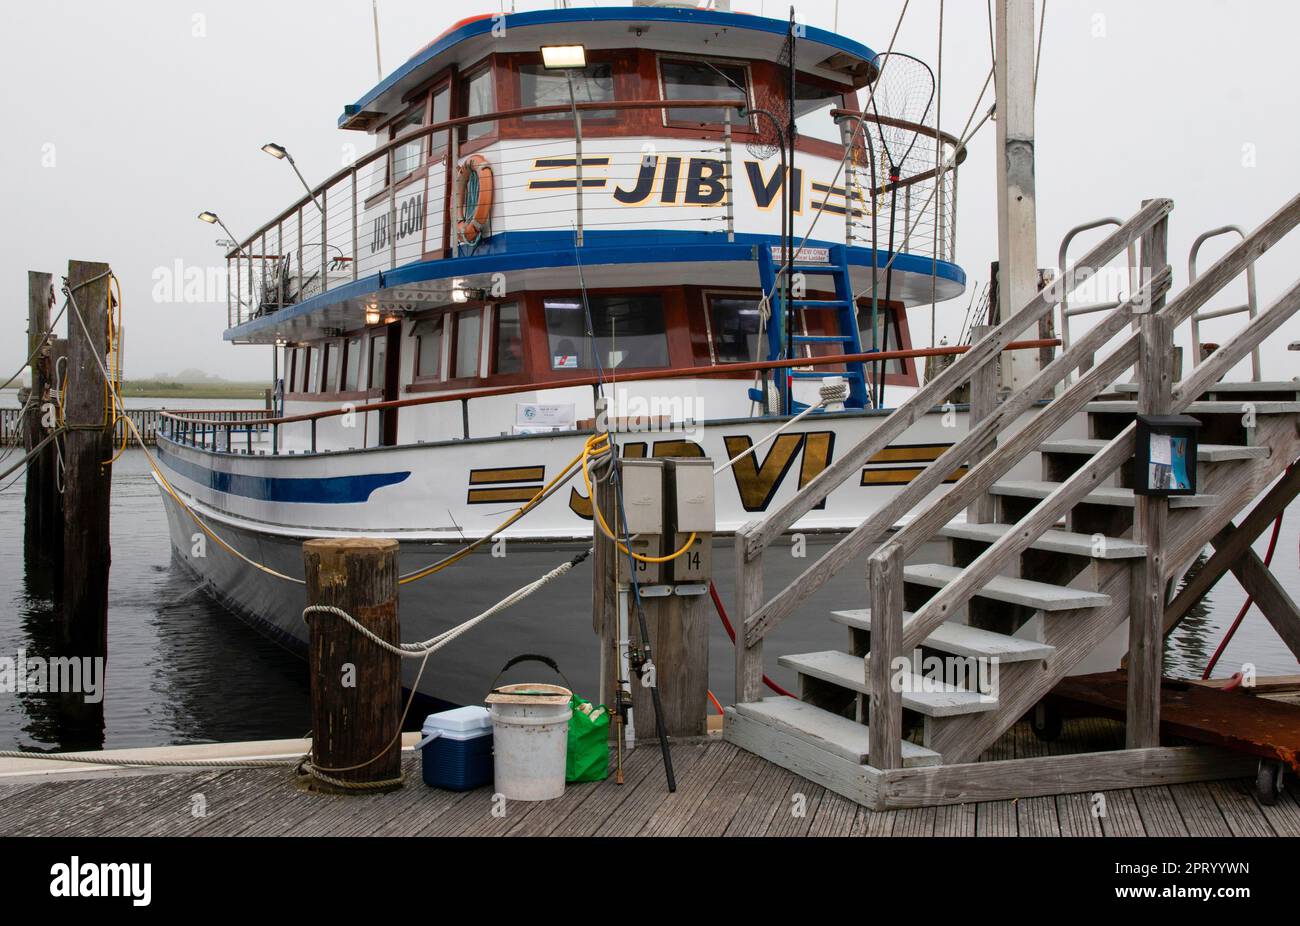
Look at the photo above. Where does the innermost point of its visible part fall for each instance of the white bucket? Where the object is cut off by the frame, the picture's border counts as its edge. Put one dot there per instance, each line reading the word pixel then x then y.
pixel 530 736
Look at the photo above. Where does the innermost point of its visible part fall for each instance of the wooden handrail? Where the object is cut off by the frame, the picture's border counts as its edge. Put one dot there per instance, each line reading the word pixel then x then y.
pixel 1120 449
pixel 756 614
pixel 640 376
pixel 977 479
pixel 761 535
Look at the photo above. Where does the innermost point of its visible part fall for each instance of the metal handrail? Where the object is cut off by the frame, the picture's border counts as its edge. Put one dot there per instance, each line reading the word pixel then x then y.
pixel 1251 307
pixel 1066 310
pixel 254 273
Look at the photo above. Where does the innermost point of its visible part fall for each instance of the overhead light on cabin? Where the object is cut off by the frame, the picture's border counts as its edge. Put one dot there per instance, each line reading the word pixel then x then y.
pixel 372 315
pixel 564 56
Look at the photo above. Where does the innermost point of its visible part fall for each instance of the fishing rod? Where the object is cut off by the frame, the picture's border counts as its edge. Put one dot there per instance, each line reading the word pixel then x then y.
pixel 640 657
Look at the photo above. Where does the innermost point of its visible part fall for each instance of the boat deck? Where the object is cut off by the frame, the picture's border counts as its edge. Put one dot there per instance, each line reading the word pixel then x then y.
pixel 722 791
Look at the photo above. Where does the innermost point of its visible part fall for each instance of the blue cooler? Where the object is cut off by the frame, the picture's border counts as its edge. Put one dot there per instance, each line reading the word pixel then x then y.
pixel 457 749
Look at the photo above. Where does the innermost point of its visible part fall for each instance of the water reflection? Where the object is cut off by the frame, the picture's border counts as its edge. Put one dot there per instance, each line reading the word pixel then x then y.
pixel 1189 647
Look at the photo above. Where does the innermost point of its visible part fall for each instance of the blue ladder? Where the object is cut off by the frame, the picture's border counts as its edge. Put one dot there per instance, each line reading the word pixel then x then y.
pixel 848 340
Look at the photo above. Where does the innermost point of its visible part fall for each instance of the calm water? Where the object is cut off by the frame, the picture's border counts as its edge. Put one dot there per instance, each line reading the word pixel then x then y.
pixel 181 670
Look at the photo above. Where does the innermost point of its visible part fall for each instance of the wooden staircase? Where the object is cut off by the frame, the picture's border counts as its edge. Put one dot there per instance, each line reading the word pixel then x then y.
pixel 1042 578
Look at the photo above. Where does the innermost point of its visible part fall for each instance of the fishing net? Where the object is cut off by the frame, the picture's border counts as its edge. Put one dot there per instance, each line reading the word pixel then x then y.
pixel 773 99
pixel 902 102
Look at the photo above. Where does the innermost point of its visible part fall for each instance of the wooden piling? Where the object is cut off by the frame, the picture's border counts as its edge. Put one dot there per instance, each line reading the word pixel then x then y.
pixel 87 452
pixel 44 526
pixel 1151 513
pixel 356 685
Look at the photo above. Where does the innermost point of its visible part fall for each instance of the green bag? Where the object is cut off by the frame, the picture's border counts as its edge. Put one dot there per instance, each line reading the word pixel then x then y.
pixel 588 755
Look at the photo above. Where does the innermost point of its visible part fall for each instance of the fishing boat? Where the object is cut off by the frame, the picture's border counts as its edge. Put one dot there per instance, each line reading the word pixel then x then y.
pixel 570 219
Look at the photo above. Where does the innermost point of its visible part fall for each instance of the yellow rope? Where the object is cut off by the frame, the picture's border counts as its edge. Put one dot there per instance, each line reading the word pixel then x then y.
pixel 113 398
pixel 565 474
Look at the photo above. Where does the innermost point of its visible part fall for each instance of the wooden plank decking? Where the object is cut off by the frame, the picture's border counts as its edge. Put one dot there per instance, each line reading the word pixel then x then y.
pixel 722 791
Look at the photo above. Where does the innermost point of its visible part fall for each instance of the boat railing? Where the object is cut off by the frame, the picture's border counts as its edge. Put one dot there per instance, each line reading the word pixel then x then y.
pixel 212 431
pixel 356 224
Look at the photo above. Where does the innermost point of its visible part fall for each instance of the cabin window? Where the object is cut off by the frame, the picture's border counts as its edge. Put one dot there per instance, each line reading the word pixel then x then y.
pixel 541 87
pixel 888 337
pixel 378 361
pixel 508 341
pixel 308 382
pixel 441 113
pixel 467 343
pixel 734 323
pixel 333 358
pixel 629 332
pixel 703 80
pixel 408 158
pixel 352 365
pixel 428 348
pixel 477 99
pixel 812 107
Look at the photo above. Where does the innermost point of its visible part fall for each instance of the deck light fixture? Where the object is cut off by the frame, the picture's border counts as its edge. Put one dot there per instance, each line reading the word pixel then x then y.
pixel 556 57
pixel 281 153
pixel 372 315
pixel 213 219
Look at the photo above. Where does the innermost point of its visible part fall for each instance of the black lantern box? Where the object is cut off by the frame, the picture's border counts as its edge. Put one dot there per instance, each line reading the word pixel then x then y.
pixel 1165 458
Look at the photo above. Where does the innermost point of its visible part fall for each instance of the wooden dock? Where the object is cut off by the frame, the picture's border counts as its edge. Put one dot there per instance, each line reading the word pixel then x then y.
pixel 722 791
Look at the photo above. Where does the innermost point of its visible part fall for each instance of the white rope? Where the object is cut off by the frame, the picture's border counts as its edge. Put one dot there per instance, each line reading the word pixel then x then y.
pixel 830 394
pixel 428 647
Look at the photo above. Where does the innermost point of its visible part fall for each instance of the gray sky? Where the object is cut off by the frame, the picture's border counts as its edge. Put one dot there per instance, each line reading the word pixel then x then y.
pixel 125 118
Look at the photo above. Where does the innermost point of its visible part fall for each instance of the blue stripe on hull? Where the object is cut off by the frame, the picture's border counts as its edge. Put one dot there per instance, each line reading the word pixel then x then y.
pixel 330 490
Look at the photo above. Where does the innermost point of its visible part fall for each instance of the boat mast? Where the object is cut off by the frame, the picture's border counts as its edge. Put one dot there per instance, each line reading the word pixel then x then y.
pixel 1017 209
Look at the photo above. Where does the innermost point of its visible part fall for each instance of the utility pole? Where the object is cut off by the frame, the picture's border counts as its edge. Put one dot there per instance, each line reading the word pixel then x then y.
pixel 1017 208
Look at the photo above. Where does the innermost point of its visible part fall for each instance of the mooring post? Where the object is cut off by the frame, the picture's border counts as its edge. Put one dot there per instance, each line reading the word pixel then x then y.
pixel 44 530
pixel 356 685
pixel 87 452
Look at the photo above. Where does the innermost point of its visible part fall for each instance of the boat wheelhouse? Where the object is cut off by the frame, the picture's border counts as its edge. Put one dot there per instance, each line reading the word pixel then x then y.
pixel 526 239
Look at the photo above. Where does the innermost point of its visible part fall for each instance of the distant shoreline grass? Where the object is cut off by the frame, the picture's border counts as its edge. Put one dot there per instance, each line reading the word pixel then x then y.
pixel 165 389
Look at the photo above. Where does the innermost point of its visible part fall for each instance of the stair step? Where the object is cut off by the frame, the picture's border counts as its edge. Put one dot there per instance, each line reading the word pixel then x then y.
pixel 838 735
pixel 1038 595
pixel 1102 495
pixel 1125 407
pixel 1053 541
pixel 1206 453
pixel 931 698
pixel 961 639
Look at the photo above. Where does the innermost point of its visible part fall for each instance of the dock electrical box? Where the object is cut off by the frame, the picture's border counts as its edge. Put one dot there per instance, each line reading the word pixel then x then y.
pixel 643 507
pixel 691 510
